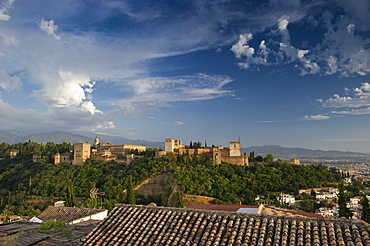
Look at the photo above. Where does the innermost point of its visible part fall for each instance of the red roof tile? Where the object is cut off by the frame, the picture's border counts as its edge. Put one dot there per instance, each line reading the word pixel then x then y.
pixel 143 225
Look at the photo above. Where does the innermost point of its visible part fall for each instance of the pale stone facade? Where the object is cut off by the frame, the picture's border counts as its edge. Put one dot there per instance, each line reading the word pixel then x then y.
pixel 218 154
pixel 295 161
pixel 170 145
pixel 81 153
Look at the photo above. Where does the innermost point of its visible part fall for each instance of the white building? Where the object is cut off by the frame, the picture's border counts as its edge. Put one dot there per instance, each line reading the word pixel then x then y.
pixel 285 198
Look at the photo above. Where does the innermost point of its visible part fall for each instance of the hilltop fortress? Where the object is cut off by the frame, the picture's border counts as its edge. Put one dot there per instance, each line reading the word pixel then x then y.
pixel 218 154
pixel 121 153
pixel 125 153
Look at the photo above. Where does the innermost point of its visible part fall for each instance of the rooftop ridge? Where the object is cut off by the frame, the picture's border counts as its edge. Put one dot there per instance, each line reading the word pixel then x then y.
pixel 150 225
pixel 202 211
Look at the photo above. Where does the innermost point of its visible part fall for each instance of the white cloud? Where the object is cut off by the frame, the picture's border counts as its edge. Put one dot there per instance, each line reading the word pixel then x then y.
pixel 241 48
pixel 315 117
pixel 3 15
pixel 49 27
pixel 69 90
pixel 179 123
pixel 4 10
pixel 360 97
pixel 105 125
pixel 9 40
pixel 343 49
pixel 68 119
pixel 351 29
pixel 356 102
pixel 274 52
pixel 8 82
pixel 361 111
pixel 89 106
pixel 149 94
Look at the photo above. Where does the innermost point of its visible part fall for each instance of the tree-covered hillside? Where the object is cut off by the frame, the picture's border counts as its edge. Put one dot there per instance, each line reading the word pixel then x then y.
pixel 23 182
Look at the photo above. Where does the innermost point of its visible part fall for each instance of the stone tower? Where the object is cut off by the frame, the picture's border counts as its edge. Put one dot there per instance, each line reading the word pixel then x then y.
pixel 81 153
pixel 169 144
pixel 96 141
pixel 235 148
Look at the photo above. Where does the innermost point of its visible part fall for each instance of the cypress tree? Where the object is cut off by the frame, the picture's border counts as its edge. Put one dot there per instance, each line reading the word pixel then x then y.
pixel 342 202
pixel 179 203
pixel 365 209
pixel 70 197
pixel 130 198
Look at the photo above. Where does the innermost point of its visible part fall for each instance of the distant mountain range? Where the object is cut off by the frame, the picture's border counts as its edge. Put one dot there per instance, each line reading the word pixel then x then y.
pixel 277 151
pixel 60 137
pixel 301 153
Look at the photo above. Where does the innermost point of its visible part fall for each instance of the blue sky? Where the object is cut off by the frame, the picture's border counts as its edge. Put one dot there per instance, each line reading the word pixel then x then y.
pixel 287 72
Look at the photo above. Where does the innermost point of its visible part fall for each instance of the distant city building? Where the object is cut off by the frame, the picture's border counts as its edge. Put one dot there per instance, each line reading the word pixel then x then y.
pixel 285 198
pixel 13 154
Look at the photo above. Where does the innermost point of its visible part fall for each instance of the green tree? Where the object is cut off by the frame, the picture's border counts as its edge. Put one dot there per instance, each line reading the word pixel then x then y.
pixel 179 203
pixel 258 158
pixel 251 156
pixel 365 209
pixel 130 198
pixel 269 158
pixel 70 196
pixel 342 202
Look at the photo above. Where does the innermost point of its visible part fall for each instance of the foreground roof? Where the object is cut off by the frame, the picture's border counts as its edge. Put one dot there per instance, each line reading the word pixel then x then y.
pixel 27 233
pixel 144 225
pixel 67 214
pixel 258 209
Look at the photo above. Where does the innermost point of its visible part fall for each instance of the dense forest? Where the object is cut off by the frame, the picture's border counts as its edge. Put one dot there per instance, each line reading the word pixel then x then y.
pixel 23 182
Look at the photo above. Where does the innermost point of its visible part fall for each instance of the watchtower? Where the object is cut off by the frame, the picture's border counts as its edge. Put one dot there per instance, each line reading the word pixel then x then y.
pixel 81 153
pixel 235 148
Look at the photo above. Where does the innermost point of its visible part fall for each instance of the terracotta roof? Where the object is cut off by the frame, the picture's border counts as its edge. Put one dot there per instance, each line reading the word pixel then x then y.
pixel 27 233
pixel 270 210
pixel 267 210
pixel 143 225
pixel 67 214
pixel 220 207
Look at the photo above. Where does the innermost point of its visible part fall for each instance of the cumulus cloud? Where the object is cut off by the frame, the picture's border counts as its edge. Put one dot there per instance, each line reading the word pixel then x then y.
pixel 356 101
pixel 357 97
pixel 241 48
pixel 49 27
pixel 274 52
pixel 343 49
pixel 69 90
